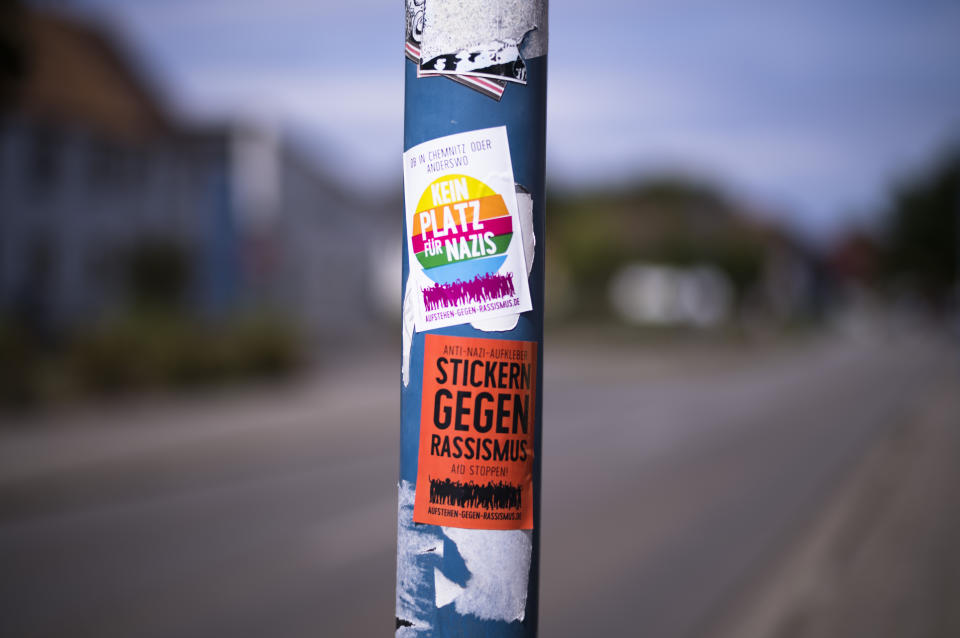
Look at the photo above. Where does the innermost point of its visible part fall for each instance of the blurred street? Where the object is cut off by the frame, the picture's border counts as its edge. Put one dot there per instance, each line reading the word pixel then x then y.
pixel 751 256
pixel 675 476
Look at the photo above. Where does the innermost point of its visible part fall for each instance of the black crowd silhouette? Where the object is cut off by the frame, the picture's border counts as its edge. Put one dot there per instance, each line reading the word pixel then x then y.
pixel 498 495
pixel 481 288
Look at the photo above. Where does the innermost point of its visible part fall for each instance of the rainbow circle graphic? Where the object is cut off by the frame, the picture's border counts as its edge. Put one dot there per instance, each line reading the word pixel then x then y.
pixel 461 229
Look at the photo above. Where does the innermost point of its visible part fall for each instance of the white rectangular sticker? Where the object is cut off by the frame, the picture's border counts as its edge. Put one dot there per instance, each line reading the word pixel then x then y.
pixel 464 237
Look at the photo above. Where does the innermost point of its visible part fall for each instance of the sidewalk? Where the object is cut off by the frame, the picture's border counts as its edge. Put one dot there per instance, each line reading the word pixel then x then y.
pixel 883 559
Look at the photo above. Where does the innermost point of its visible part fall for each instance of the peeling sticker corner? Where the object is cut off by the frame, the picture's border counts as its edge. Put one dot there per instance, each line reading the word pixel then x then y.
pixel 446 590
pixel 497 324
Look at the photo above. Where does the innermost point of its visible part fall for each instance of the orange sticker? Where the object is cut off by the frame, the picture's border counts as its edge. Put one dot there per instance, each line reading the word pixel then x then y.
pixel 475 466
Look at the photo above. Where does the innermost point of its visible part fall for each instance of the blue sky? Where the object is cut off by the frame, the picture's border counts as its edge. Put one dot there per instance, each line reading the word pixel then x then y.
pixel 806 109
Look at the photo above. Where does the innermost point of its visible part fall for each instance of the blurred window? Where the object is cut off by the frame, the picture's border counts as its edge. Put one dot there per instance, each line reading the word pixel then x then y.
pixel 44 162
pixel 104 167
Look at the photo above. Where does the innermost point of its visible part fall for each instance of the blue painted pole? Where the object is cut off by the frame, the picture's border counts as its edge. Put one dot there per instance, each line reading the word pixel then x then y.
pixel 473 274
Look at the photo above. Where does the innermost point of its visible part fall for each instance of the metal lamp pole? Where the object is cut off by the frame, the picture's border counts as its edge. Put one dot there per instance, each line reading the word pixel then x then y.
pixel 473 274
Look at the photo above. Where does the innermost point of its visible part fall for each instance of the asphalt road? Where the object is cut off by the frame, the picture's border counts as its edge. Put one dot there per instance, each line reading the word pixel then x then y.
pixel 672 475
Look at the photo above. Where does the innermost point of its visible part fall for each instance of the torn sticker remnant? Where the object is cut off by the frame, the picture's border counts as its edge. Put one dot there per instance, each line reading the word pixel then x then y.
pixel 490 87
pixel 418 549
pixel 499 565
pixel 497 59
pixel 478 37
pixel 509 322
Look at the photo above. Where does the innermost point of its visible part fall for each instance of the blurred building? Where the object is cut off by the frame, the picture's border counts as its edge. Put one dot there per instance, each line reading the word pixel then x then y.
pixel 700 296
pixel 93 164
pixel 674 251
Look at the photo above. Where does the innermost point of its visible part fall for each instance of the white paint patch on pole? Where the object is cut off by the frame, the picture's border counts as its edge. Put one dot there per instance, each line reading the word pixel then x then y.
pixel 413 542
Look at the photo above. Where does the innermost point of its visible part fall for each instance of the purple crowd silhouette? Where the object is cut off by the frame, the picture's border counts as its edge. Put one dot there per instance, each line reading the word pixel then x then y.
pixel 481 288
pixel 498 495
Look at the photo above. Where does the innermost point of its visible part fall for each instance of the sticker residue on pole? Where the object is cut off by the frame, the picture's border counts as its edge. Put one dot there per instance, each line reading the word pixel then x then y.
pixel 419 551
pixel 497 563
pixel 465 239
pixel 416 9
pixel 478 37
pixel 499 566
pixel 509 322
pixel 475 461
